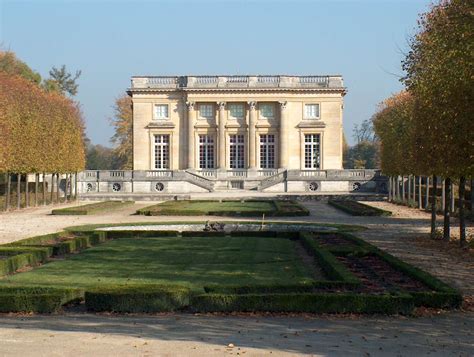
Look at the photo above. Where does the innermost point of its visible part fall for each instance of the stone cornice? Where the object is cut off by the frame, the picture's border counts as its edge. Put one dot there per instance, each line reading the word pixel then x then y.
pixel 158 125
pixel 310 123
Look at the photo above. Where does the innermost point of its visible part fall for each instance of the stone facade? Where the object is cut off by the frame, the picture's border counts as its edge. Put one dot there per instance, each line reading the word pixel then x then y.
pixel 186 109
pixel 196 134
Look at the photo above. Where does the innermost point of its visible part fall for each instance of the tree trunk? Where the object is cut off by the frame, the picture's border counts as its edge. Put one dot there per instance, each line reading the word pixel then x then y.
pixel 27 192
pixel 403 189
pixel 18 192
pixel 36 189
pixel 409 189
pixel 443 194
pixel 414 189
pixel 398 188
pixel 462 220
pixel 75 187
pixel 420 198
pixel 44 189
pixel 52 188
pixel 472 199
pixel 65 188
pixel 58 181
pixel 451 201
pixel 433 207
pixel 427 198
pixel 9 189
pixel 447 195
pixel 389 189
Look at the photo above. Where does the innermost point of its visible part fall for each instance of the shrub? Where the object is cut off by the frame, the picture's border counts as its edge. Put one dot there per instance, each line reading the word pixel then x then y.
pixel 91 208
pixel 36 299
pixel 332 268
pixel 140 298
pixel 305 302
pixel 358 209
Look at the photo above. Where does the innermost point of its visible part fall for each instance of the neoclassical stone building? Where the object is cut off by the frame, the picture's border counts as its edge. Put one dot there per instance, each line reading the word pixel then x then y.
pixel 247 123
pixel 204 133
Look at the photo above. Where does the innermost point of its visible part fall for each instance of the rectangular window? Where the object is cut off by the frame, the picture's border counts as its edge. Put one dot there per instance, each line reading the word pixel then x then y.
pixel 160 111
pixel 312 151
pixel 206 111
pixel 206 152
pixel 162 152
pixel 237 151
pixel 311 111
pixel 267 111
pixel 267 151
pixel 236 111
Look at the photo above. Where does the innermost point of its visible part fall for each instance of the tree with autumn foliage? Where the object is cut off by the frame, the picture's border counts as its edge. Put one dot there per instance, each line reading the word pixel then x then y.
pixel 428 129
pixel 122 123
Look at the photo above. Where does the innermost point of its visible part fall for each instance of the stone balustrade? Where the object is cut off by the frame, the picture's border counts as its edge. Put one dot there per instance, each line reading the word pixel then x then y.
pixel 235 82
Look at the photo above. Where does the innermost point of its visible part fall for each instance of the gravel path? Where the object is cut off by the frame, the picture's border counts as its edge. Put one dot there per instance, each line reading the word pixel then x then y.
pixel 185 335
pixel 103 335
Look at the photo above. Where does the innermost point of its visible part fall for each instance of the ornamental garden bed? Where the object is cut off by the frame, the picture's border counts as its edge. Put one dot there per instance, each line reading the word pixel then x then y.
pixel 312 272
pixel 226 208
pixel 357 208
pixel 92 208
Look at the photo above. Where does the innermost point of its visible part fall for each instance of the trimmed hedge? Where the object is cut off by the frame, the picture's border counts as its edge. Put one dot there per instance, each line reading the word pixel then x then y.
pixel 309 303
pixel 358 209
pixel 36 299
pixel 21 257
pixel 91 208
pixel 141 298
pixel 333 269
pixel 115 234
pixel 280 209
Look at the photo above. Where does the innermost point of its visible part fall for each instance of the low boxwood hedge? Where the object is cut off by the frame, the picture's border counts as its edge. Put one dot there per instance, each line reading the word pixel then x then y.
pixel 91 208
pixel 305 302
pixel 331 267
pixel 357 208
pixel 20 257
pixel 116 234
pixel 141 298
pixel 36 299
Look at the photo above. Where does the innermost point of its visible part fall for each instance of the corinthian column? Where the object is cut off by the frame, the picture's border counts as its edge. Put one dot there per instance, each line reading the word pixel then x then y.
pixel 191 120
pixel 251 138
pixel 283 135
pixel 222 119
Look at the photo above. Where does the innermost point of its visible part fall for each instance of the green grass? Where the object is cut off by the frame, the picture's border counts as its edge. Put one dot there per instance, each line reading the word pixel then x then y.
pixel 356 208
pixel 190 262
pixel 226 208
pixel 91 208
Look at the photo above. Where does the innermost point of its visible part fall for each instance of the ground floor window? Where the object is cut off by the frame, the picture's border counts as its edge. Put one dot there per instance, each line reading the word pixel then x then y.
pixel 162 152
pixel 312 157
pixel 237 151
pixel 206 152
pixel 267 151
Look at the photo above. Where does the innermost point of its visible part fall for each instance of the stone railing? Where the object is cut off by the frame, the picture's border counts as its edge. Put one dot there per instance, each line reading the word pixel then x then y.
pixel 274 81
pixel 272 180
pixel 209 173
pixel 237 173
pixel 352 175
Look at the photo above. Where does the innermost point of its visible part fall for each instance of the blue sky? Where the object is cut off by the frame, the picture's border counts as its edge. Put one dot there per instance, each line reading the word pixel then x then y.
pixel 112 40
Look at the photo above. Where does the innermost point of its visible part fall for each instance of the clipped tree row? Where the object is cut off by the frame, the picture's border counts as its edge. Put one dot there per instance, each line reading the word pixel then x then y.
pixel 40 132
pixel 427 129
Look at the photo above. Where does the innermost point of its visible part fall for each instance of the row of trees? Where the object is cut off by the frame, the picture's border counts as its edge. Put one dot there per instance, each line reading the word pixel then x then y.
pixel 41 128
pixel 427 129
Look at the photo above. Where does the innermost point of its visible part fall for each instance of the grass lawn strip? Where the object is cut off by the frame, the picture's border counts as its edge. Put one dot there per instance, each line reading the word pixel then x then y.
pixel 357 208
pixel 226 208
pixel 231 273
pixel 92 208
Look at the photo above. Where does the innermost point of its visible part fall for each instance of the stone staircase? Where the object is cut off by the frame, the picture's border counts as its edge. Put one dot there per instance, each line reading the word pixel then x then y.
pixel 272 180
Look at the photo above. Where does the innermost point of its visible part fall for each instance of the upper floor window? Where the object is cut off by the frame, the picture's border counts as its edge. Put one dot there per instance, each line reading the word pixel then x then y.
pixel 267 111
pixel 206 111
pixel 311 111
pixel 160 111
pixel 236 111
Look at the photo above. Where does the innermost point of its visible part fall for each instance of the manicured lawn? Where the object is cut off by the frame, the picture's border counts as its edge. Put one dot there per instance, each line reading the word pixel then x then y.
pixel 226 208
pixel 92 208
pixel 193 262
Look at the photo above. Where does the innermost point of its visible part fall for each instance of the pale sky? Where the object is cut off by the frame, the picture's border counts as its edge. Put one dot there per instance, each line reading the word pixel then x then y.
pixel 112 40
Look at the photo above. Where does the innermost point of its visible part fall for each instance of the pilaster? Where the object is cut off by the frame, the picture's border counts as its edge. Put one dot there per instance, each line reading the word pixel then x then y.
pixel 191 121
